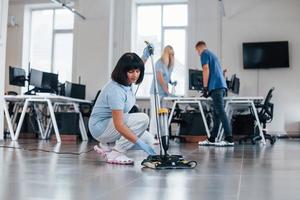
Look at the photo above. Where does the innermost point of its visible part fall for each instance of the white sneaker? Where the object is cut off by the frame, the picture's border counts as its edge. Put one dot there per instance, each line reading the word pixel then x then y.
pixel 115 157
pixel 224 143
pixel 206 143
pixel 105 147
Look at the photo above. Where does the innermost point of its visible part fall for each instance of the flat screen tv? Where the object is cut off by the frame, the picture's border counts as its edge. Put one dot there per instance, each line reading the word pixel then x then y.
pixel 258 55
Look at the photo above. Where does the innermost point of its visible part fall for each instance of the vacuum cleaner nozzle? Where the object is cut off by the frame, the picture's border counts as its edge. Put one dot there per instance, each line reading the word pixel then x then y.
pixel 168 162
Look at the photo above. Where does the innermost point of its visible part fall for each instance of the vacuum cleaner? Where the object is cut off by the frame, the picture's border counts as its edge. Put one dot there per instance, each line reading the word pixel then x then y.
pixel 163 160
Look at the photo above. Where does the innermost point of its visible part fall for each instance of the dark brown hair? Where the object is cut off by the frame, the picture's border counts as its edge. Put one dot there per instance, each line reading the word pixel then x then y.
pixel 127 62
pixel 200 43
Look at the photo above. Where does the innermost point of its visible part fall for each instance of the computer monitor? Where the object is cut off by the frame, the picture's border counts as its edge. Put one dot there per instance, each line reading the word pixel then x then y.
pixel 17 76
pixel 195 80
pixel 35 78
pixel 43 81
pixel 50 82
pixel 74 90
pixel 235 84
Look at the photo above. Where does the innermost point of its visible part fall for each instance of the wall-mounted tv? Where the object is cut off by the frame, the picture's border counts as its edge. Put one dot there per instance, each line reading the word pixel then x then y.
pixel 258 55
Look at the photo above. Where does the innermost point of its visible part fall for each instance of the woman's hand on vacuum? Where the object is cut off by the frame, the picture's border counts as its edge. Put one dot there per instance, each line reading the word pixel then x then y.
pixel 148 50
pixel 145 147
pixel 174 83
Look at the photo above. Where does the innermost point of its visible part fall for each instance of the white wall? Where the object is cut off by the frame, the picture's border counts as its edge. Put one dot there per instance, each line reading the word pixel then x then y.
pixel 247 21
pixel 271 20
pixel 3 23
pixel 14 43
pixel 122 26
pixel 92 44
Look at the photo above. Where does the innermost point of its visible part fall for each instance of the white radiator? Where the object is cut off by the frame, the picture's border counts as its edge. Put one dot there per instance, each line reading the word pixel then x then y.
pixel 145 110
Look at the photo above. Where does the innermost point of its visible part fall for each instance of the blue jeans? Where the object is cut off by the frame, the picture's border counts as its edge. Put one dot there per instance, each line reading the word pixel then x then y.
pixel 219 114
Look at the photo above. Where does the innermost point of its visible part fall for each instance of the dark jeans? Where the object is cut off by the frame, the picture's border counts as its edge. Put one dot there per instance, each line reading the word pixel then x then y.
pixel 219 114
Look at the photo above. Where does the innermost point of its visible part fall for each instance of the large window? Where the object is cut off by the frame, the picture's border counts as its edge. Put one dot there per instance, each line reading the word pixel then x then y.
pixel 51 41
pixel 163 24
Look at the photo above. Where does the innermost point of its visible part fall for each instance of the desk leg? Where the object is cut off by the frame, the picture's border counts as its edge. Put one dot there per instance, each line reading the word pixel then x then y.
pixel 258 123
pixel 81 122
pixel 53 119
pixel 204 119
pixel 39 119
pixel 171 113
pixel 9 122
pixel 49 124
pixel 48 129
pixel 15 114
pixel 21 119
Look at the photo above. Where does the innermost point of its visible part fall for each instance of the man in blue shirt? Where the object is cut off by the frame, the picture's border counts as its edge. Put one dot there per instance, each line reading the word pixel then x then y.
pixel 214 84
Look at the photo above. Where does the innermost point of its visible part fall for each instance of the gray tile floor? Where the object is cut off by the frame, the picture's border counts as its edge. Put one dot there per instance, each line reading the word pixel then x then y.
pixel 243 172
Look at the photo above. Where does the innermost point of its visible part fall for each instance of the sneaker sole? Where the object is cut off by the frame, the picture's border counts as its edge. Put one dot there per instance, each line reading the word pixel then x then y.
pixel 224 145
pixel 206 145
pixel 120 163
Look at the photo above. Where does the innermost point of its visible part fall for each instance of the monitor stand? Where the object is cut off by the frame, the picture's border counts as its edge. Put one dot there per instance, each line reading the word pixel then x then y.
pixel 31 92
pixel 35 90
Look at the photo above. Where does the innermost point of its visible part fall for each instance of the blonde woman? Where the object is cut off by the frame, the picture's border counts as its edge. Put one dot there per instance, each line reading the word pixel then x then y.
pixel 163 67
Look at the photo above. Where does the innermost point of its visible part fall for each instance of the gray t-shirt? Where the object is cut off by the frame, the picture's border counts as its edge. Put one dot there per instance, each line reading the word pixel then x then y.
pixel 113 96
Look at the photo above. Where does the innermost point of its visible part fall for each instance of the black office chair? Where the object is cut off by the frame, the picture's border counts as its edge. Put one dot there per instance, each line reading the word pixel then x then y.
pixel 265 115
pixel 135 109
pixel 86 108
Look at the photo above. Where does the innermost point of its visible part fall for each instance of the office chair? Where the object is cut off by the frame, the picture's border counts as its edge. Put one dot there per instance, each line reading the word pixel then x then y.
pixel 135 109
pixel 265 115
pixel 186 118
pixel 86 108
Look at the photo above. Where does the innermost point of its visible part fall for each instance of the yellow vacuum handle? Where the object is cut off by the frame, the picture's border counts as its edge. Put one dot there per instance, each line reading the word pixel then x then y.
pixel 163 111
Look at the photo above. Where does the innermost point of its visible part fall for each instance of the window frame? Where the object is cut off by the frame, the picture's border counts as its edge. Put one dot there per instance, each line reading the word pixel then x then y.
pixel 54 32
pixel 163 28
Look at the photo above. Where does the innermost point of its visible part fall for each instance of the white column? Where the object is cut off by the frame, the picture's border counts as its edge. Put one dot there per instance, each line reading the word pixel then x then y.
pixel 91 43
pixel 203 24
pixel 3 25
pixel 122 28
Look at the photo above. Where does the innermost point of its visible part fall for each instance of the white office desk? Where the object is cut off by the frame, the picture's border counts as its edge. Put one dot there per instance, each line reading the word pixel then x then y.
pixel 229 101
pixel 188 100
pixel 49 99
